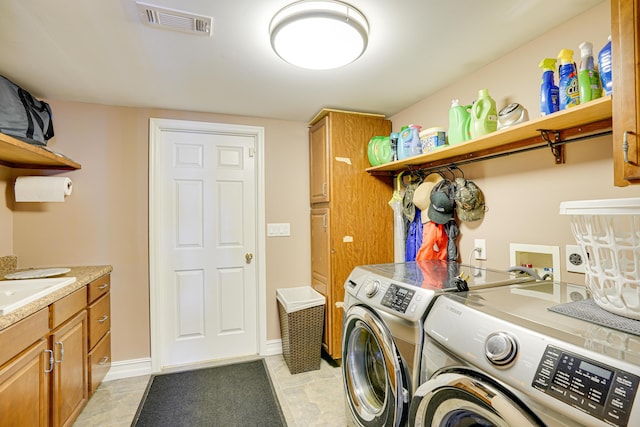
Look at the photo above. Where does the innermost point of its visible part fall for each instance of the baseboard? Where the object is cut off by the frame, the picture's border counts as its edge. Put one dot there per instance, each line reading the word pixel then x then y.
pixel 137 367
pixel 129 368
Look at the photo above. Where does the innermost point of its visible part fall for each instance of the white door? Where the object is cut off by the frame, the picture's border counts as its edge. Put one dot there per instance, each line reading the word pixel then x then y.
pixel 204 277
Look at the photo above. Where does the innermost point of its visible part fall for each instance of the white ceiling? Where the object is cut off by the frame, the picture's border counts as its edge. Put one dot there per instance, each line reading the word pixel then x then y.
pixel 98 51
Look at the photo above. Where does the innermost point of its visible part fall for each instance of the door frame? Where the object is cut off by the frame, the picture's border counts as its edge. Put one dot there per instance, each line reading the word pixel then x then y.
pixel 156 127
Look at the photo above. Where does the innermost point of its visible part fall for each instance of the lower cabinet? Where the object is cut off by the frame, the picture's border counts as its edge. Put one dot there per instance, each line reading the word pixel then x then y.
pixel 52 360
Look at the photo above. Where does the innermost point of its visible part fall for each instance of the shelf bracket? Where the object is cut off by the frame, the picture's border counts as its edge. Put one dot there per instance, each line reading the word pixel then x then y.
pixel 557 148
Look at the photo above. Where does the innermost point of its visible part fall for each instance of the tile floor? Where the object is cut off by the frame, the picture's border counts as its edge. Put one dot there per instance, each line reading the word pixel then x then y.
pixel 314 398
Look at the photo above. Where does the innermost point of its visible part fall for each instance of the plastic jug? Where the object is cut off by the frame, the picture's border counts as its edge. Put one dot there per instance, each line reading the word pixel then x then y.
pixel 409 142
pixel 588 76
pixel 459 122
pixel 569 91
pixel 604 62
pixel 484 116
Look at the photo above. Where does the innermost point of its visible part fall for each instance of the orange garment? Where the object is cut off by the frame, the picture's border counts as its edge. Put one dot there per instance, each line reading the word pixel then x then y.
pixel 434 242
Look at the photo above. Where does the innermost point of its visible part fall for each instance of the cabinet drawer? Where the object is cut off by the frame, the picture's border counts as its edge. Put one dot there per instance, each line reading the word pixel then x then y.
pixel 64 308
pixel 99 287
pixel 99 319
pixel 21 335
pixel 99 362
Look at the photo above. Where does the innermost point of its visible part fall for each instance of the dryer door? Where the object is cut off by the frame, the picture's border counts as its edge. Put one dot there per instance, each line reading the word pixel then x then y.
pixel 374 375
pixel 461 397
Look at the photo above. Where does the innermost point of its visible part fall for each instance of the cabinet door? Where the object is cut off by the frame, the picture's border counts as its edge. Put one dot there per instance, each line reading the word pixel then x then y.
pixel 319 162
pixel 70 374
pixel 321 267
pixel 24 388
pixel 626 90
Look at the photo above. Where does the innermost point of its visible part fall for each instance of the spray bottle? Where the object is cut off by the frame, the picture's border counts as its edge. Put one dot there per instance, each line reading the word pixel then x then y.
pixel 569 92
pixel 588 76
pixel 549 92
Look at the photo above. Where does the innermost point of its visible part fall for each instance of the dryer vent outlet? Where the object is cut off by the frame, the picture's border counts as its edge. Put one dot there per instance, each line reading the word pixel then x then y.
pixel 173 19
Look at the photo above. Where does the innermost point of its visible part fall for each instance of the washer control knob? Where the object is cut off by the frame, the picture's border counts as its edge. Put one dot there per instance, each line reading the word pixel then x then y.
pixel 372 288
pixel 500 348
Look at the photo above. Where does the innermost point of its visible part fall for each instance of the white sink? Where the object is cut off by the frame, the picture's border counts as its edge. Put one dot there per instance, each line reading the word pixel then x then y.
pixel 17 293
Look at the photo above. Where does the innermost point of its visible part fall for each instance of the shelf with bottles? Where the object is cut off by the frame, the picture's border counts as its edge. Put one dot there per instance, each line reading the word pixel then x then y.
pixel 18 154
pixel 585 120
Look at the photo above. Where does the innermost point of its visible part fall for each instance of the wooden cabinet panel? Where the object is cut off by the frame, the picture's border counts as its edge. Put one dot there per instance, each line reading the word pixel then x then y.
pixel 354 224
pixel 99 319
pixel 24 389
pixel 22 334
pixel 98 287
pixel 66 307
pixel 70 389
pixel 625 42
pixel 99 362
pixel 319 152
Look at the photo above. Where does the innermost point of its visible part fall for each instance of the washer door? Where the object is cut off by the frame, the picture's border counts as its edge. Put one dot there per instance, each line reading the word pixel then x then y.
pixel 466 398
pixel 373 373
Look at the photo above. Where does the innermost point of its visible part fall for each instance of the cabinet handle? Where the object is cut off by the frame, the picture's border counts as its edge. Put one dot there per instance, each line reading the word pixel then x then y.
pixel 324 189
pixel 324 221
pixel 625 147
pixel 104 360
pixel 103 286
pixel 103 319
pixel 61 351
pixel 51 361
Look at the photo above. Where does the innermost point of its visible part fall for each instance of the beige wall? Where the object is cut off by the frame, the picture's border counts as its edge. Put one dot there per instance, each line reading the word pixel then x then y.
pixel 523 192
pixel 105 220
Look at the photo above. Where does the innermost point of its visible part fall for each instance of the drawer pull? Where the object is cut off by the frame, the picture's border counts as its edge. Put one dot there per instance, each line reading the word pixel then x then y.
pixel 51 361
pixel 60 352
pixel 104 360
pixel 103 319
pixel 103 286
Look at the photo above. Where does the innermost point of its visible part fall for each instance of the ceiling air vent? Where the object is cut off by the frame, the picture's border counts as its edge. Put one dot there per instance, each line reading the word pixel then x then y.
pixel 172 19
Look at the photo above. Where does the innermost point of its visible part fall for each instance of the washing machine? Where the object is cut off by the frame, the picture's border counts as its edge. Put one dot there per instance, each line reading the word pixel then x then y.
pixel 507 357
pixel 385 307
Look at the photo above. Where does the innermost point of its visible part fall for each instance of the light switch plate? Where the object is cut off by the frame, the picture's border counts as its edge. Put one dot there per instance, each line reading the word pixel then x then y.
pixel 574 259
pixel 278 229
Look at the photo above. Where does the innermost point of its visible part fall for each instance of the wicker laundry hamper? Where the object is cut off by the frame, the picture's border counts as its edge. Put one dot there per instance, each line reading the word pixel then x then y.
pixel 301 313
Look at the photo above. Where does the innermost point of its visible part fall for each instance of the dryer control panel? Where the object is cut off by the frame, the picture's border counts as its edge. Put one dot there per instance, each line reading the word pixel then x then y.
pixel 397 298
pixel 405 301
pixel 602 391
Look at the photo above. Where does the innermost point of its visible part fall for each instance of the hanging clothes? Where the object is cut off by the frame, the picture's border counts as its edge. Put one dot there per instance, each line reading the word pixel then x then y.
pixel 452 231
pixel 414 237
pixel 434 242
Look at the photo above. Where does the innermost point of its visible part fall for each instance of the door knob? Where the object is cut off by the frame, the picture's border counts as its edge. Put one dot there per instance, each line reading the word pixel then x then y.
pixel 248 257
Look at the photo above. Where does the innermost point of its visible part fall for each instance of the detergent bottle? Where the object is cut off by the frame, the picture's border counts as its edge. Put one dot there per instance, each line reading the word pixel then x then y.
pixel 588 76
pixel 604 63
pixel 459 122
pixel 569 92
pixel 484 116
pixel 549 102
pixel 409 142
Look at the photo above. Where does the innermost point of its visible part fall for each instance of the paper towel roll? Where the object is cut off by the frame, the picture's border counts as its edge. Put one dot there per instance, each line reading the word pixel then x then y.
pixel 42 188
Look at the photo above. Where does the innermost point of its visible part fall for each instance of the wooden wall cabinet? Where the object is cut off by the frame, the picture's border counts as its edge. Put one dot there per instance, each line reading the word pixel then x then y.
pixel 625 43
pixel 351 221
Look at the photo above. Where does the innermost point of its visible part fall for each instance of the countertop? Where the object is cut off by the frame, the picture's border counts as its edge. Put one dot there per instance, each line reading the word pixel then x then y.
pixel 83 274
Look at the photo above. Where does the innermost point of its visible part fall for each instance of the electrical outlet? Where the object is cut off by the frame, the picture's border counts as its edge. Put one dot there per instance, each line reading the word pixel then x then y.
pixel 480 249
pixel 574 259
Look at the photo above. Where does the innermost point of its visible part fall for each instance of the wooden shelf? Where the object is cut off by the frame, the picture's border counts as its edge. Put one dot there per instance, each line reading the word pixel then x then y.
pixel 577 122
pixel 17 154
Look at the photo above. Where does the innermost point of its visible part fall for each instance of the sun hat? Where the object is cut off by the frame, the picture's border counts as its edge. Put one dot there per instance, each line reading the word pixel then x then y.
pixel 422 194
pixel 441 208
pixel 469 200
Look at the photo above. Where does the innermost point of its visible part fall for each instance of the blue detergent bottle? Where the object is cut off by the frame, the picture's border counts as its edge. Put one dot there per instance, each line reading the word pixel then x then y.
pixel 549 92
pixel 604 63
pixel 569 91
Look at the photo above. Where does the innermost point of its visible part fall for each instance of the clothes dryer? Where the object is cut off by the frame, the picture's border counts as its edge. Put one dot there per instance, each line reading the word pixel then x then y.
pixel 505 357
pixel 385 308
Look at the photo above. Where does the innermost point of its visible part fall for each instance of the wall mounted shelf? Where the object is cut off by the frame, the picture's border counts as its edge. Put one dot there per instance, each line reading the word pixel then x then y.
pixel 17 154
pixel 577 123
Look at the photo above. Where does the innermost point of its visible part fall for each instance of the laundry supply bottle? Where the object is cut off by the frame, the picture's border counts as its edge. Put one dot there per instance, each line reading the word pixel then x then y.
pixel 569 92
pixel 604 63
pixel 588 76
pixel 549 92
pixel 409 142
pixel 459 121
pixel 484 116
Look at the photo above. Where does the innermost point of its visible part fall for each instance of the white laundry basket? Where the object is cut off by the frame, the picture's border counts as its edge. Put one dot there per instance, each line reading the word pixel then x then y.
pixel 608 231
pixel 301 313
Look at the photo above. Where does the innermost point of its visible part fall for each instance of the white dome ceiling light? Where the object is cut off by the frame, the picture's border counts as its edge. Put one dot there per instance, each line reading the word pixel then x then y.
pixel 319 34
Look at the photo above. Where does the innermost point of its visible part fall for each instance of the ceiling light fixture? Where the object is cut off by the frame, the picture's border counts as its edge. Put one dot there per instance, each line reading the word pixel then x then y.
pixel 319 34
